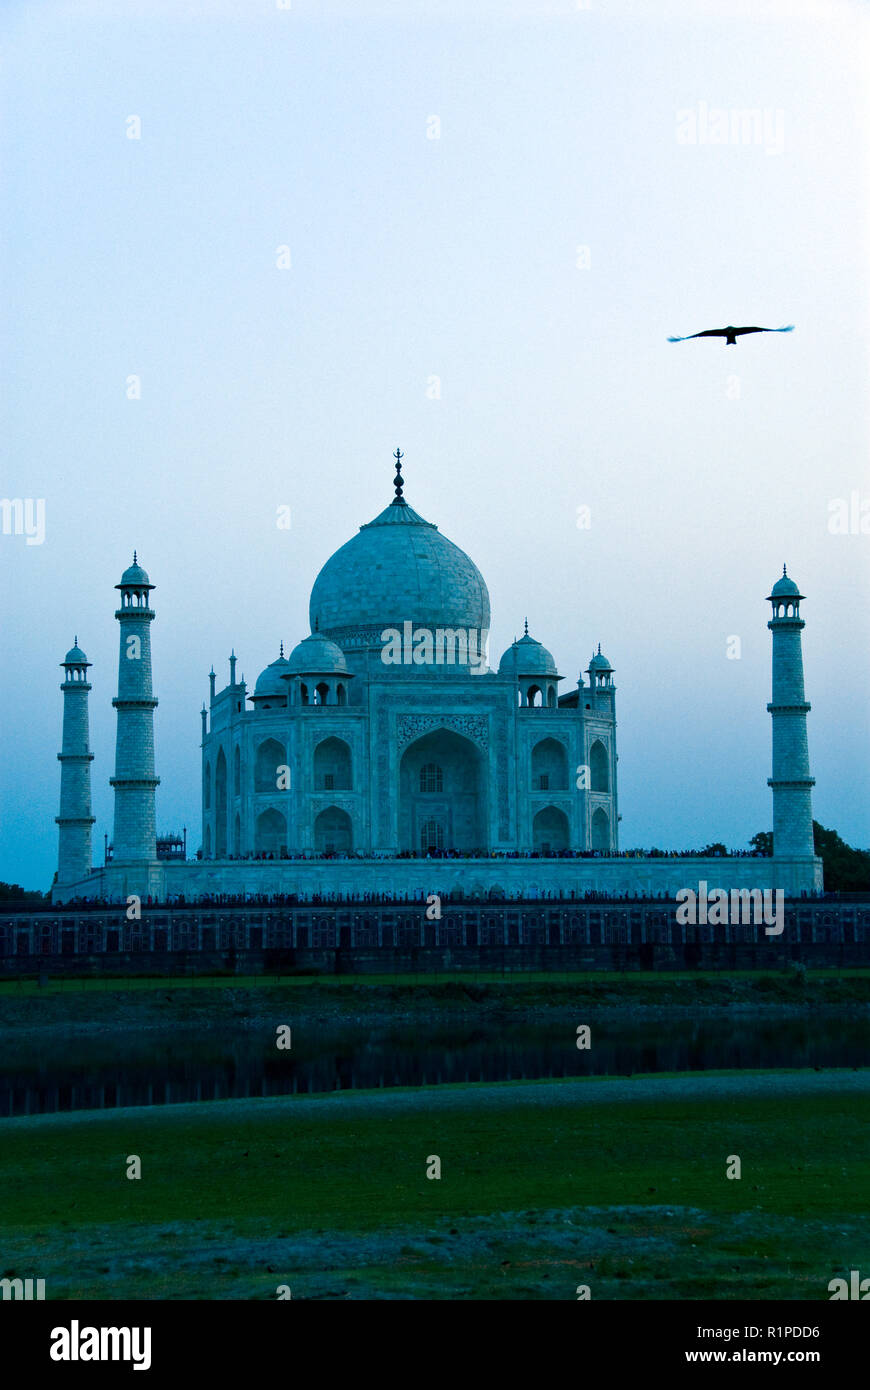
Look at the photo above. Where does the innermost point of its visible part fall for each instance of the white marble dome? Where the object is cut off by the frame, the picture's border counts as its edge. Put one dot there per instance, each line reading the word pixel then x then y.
pixel 399 568
pixel 135 576
pixel 785 588
pixel 528 657
pixel 316 656
pixel 270 682
pixel 75 656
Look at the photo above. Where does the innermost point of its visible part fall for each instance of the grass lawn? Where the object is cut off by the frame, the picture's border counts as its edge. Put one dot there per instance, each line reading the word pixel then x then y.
pixel 617 1184
pixel 639 981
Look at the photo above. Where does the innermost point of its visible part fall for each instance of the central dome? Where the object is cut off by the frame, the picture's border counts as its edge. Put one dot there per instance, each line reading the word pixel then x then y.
pixel 398 569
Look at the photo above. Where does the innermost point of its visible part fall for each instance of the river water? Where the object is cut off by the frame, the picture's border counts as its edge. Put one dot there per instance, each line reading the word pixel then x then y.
pixel 118 1069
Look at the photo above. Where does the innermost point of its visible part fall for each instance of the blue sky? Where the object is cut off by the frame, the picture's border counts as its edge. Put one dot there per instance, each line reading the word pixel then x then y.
pixel 456 258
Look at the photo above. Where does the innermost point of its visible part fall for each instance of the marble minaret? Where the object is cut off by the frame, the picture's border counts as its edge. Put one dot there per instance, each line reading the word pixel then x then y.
pixel 135 838
pixel 75 819
pixel 791 781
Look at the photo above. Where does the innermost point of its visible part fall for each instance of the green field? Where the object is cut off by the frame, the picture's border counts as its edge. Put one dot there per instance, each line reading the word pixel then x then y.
pixel 616 1184
pixel 609 981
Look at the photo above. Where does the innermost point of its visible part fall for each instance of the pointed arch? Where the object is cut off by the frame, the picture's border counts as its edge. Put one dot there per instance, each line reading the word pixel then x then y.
pixel 599 767
pixel 270 756
pixel 549 766
pixel 220 806
pixel 271 832
pixel 600 829
pixel 550 830
pixel 333 831
pixel 333 765
pixel 442 776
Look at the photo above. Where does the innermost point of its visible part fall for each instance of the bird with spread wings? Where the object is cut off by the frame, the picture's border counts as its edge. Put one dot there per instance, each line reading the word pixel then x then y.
pixel 730 334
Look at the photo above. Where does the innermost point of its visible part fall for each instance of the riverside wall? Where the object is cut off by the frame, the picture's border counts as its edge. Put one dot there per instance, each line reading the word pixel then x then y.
pixel 347 938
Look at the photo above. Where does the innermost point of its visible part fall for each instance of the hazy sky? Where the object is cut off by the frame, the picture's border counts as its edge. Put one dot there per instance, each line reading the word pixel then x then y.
pixel 413 258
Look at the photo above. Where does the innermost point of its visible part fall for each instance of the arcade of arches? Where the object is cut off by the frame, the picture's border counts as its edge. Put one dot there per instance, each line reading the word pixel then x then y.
pixel 442 797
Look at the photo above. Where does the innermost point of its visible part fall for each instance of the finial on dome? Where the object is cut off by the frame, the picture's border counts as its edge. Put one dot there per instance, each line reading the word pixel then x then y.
pixel 282 649
pixel 135 561
pixel 599 648
pixel 76 640
pixel 525 627
pixel 398 481
pixel 784 575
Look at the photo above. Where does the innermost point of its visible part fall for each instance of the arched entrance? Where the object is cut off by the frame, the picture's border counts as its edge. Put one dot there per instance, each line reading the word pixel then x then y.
pixel 550 830
pixel 600 829
pixel 441 794
pixel 599 767
pixel 333 832
pixel 549 766
pixel 332 766
pixel 271 832
pixel 270 756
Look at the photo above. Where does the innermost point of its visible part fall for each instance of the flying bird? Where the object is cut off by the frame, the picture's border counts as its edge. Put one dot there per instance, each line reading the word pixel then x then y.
pixel 730 334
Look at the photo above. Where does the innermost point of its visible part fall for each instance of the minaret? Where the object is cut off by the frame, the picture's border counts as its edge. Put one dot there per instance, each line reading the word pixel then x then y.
pixel 134 781
pixel 75 819
pixel 791 780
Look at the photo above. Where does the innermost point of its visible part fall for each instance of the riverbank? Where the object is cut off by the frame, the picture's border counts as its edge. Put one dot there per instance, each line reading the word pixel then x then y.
pixel 88 1007
pixel 617 1184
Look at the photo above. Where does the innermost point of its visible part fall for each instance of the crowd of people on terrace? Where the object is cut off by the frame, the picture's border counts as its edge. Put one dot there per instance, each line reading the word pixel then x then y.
pixel 382 899
pixel 709 853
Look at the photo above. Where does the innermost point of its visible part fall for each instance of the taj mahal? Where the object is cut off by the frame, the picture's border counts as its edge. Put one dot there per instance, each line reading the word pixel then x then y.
pixel 384 753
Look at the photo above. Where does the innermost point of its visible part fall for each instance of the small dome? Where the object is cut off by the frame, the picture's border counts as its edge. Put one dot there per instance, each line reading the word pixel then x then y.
pixel 527 657
pixel 785 587
pixel 599 662
pixel 317 656
pixel 269 682
pixel 75 656
pixel 135 577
